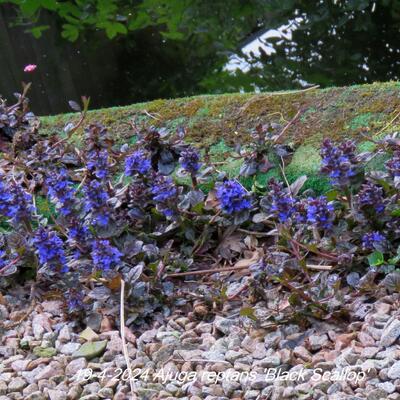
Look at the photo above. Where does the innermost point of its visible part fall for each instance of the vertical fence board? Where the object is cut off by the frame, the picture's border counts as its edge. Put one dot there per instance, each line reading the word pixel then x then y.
pixel 65 70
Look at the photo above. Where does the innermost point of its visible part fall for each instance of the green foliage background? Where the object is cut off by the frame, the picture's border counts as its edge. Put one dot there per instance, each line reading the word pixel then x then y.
pixel 172 48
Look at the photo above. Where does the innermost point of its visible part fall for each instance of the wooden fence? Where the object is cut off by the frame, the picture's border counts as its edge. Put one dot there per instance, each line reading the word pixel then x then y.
pixel 65 70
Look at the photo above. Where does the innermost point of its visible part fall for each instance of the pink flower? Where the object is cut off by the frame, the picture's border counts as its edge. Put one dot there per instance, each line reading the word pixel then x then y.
pixel 30 67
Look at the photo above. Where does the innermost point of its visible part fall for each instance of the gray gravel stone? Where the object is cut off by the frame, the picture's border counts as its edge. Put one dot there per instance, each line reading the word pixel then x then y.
pixel 48 372
pixel 232 355
pixel 74 392
pixel 91 388
pixel 269 362
pixel 251 394
pixel 20 365
pixel 377 394
pixel 272 339
pixel 3 388
pixel 38 326
pixel 31 388
pixel 3 312
pixel 388 387
pixel 6 351
pixel 229 386
pixel 36 396
pixel 64 335
pixel 316 342
pixel 394 371
pixel 69 348
pixel 260 382
pixel 390 333
pixel 75 365
pixel 225 325
pixel 93 321
pixel 334 388
pixel 17 384
pixel 57 395
pixel 163 353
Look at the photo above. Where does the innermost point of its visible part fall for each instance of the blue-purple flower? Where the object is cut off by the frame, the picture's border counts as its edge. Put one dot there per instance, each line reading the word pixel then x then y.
pixel 3 260
pixel 393 165
pixel 163 189
pixel 338 162
pixel 190 160
pixel 233 198
pixel 164 193
pixel 78 232
pixel 98 163
pixel 15 202
pixel 95 202
pixel 137 163
pixel 50 250
pixel 61 191
pixel 21 206
pixel 372 239
pixel 282 204
pixel 74 299
pixel 371 196
pixel 319 212
pixel 6 199
pixel 104 256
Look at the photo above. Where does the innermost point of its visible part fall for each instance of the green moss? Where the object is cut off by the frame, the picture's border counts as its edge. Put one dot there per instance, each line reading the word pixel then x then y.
pixel 377 163
pixel 133 140
pixel 305 159
pixel 307 113
pixel 44 207
pixel 366 120
pixel 175 123
pixel 263 179
pixel 221 121
pixel 219 150
pixel 203 112
pixel 319 184
pixel 329 112
pixel 365 146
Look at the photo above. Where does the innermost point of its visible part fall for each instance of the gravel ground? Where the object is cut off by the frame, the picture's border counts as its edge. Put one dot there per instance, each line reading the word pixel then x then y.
pixel 187 357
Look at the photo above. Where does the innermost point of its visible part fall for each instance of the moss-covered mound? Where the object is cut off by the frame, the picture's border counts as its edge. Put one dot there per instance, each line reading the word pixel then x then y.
pixel 222 120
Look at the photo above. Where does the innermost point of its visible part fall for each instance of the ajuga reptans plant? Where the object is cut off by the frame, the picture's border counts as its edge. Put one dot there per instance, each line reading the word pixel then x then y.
pixel 83 219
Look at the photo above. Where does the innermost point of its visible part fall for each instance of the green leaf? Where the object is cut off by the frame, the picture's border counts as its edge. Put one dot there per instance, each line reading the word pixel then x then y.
pixel 49 4
pixel 294 300
pixel 223 294
pixel 90 350
pixel 384 184
pixel 396 213
pixel 29 8
pixel 332 195
pixel 70 32
pixel 173 35
pixel 375 259
pixel 141 20
pixel 37 30
pixel 312 247
pixel 248 312
pixel 112 29
pixel 198 208
pixel 153 266
pixel 394 260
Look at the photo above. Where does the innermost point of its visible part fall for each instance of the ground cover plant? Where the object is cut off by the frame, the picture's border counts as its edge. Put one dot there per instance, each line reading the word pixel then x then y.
pixel 77 219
